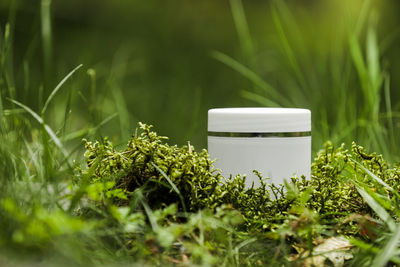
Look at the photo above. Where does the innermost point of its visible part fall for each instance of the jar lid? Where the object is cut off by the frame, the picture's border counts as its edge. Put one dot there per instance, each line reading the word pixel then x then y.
pixel 259 120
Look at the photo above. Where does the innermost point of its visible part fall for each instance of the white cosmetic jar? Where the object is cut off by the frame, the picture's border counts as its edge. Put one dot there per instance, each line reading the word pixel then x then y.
pixel 274 141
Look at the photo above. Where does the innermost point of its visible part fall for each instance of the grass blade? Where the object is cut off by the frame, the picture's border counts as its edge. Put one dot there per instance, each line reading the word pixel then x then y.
pixel 241 245
pixel 67 113
pixel 88 131
pixel 372 56
pixel 364 246
pixel 358 60
pixel 377 208
pixel 150 215
pixel 287 49
pixel 389 250
pixel 373 176
pixel 46 127
pixel 242 29
pixel 123 112
pixel 57 88
pixel 45 19
pixel 1 115
pixel 6 58
pixel 171 184
pixel 259 99
pixel 249 74
pixel 362 17
pixel 388 102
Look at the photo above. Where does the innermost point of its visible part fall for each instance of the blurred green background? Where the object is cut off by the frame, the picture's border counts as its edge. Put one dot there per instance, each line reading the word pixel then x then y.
pixel 167 62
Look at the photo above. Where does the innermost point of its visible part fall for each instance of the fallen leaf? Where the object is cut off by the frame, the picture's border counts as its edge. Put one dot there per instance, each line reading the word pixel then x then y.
pixel 336 249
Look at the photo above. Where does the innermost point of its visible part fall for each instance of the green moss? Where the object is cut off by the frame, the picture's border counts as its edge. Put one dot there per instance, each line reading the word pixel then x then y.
pixel 153 166
pixel 167 174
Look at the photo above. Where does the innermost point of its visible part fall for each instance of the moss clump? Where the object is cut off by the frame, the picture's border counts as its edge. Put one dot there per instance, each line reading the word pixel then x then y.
pixel 336 173
pixel 167 174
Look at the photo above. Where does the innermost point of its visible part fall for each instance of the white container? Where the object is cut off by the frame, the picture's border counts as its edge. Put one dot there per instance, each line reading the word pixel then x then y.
pixel 274 141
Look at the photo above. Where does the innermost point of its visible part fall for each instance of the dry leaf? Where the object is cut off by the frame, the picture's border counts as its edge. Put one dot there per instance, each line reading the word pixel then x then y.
pixel 336 249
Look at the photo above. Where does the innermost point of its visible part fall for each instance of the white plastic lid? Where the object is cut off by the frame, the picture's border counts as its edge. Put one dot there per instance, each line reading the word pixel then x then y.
pixel 260 120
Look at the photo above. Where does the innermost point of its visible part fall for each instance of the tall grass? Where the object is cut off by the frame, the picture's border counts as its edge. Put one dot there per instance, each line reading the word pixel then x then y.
pixel 47 45
pixel 37 155
pixel 339 77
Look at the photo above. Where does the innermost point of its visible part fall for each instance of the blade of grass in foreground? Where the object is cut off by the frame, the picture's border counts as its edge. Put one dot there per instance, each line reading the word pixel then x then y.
pixel 150 215
pixel 241 245
pixel 377 208
pixel 171 184
pixel 376 178
pixel 389 250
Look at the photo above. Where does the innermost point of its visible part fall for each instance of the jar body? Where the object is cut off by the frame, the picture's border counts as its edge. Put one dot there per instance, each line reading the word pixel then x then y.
pixel 277 158
pixel 273 141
